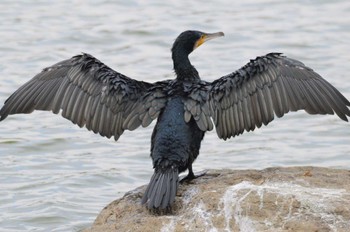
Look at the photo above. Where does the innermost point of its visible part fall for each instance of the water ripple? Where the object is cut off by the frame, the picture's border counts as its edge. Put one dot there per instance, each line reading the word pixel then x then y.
pixel 57 177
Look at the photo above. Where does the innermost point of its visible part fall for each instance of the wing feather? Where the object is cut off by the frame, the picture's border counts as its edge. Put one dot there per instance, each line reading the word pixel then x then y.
pixel 240 117
pixel 89 93
pixel 231 123
pixel 245 113
pixel 258 118
pixel 43 99
pixel 295 102
pixel 225 127
pixel 276 100
pixel 59 96
pixel 251 119
pixel 267 86
pixel 76 112
pixel 29 96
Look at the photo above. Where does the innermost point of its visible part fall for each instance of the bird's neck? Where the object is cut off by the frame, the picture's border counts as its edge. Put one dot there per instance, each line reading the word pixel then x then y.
pixel 183 68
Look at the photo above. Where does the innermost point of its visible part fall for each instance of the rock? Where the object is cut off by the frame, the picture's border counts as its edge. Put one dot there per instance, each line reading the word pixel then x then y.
pixel 273 199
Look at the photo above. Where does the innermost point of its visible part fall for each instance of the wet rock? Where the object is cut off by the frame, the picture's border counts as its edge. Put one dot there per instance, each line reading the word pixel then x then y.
pixel 273 199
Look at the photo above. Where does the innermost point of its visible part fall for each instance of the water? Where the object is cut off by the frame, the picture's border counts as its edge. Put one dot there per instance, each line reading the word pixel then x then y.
pixel 55 176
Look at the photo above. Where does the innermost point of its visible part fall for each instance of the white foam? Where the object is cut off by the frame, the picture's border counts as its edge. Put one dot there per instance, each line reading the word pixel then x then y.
pixel 318 202
pixel 314 201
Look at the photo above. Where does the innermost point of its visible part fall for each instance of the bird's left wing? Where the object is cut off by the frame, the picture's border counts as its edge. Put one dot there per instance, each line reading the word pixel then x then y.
pixel 251 96
pixel 89 94
pixel 269 85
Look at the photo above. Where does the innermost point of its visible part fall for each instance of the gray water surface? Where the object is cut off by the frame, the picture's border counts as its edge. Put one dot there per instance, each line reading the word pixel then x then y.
pixel 55 176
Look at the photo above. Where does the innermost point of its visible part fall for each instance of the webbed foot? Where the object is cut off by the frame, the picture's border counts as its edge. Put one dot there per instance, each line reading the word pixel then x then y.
pixel 192 176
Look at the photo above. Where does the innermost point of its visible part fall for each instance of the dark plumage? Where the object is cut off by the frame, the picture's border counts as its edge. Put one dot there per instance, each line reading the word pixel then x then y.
pixel 91 94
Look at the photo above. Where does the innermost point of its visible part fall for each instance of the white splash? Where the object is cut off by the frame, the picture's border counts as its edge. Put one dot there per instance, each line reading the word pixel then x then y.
pixel 202 214
pixel 234 207
pixel 317 201
pixel 231 198
pixel 187 198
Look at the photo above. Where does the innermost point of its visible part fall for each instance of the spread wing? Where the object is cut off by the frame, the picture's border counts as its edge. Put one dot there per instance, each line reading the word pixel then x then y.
pixel 89 94
pixel 267 86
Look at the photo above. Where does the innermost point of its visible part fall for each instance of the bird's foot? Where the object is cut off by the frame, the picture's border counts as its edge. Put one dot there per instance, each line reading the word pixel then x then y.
pixel 192 176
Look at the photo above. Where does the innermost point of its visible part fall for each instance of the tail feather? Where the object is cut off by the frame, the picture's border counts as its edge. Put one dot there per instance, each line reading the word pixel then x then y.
pixel 161 190
pixel 167 193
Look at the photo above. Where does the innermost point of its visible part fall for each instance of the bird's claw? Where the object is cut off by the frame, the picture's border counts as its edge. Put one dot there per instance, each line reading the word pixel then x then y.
pixel 192 176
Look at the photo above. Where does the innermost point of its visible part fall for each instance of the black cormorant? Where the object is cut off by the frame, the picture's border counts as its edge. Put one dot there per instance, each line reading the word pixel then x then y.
pixel 91 94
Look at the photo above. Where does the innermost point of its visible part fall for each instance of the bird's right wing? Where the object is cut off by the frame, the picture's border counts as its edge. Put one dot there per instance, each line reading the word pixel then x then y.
pixel 89 94
pixel 269 85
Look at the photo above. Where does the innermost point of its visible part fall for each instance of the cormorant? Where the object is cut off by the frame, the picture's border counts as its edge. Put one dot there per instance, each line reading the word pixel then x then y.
pixel 93 95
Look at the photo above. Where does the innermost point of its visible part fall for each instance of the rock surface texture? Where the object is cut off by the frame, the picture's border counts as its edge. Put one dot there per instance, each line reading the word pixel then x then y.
pixel 273 199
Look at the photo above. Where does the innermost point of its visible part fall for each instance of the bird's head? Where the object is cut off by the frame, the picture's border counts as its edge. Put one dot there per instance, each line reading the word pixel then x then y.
pixel 187 41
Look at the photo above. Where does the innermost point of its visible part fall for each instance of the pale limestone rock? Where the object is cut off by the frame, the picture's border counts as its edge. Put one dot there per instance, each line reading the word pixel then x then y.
pixel 273 199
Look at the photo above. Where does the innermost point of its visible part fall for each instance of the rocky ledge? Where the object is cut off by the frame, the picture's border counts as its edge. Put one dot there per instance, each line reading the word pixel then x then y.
pixel 273 199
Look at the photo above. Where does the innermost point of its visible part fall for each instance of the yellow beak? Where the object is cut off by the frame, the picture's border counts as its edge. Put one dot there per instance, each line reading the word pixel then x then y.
pixel 207 36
